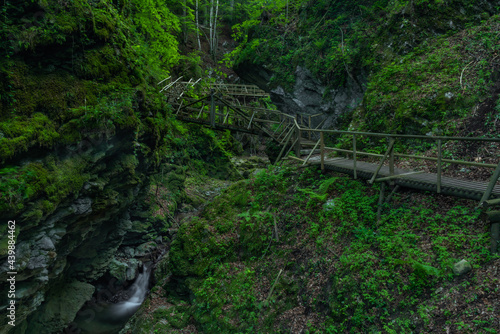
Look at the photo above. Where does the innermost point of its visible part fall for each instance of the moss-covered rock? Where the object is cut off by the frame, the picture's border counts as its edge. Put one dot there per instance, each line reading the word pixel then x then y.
pixel 61 307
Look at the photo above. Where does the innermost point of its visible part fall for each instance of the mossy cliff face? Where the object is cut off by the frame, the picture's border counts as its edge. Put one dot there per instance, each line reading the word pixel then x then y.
pixel 68 237
pixel 382 66
pixel 83 134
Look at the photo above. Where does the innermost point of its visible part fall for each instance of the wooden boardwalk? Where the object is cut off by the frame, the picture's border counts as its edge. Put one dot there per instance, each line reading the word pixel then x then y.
pixel 424 181
pixel 240 108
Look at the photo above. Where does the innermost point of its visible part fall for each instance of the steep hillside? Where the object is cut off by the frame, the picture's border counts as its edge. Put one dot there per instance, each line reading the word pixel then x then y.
pixel 381 66
pixel 294 251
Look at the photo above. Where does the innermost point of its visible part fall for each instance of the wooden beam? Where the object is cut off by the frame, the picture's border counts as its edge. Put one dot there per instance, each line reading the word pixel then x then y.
pixel 312 151
pixel 310 133
pixel 439 166
pixel 395 190
pixel 389 149
pixel 354 156
pixel 201 110
pixel 322 149
pixel 227 116
pixel 298 146
pixel 397 176
pixel 391 161
pixel 491 202
pixel 180 106
pixel 380 201
pixel 491 184
pixel 295 158
pixel 495 237
pixel 251 120
pixel 287 137
pixel 493 216
pixel 291 147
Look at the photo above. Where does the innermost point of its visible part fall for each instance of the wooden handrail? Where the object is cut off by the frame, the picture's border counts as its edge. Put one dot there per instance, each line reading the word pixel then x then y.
pixel 390 135
pixel 291 128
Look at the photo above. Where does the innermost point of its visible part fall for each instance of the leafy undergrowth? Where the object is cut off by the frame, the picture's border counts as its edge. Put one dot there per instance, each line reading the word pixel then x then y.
pixel 297 251
pixel 429 89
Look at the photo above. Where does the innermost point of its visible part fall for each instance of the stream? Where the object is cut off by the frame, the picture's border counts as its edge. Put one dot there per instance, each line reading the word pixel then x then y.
pixel 109 318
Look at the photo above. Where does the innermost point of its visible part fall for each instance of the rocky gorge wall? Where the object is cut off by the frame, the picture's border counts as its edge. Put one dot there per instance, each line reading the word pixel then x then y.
pixel 309 96
pixel 101 227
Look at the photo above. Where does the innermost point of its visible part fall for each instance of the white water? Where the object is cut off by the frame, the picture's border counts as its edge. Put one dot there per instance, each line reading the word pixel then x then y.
pixel 137 292
pixel 110 318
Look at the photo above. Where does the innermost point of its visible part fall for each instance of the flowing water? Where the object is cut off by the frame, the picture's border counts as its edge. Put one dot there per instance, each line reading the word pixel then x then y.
pixel 110 318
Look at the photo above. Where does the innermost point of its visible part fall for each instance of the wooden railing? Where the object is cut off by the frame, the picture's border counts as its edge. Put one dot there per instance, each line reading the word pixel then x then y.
pixel 218 108
pixel 390 155
pixel 178 88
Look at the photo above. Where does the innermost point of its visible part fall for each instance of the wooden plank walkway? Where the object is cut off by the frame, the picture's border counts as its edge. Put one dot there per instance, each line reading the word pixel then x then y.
pixel 425 181
pixel 291 134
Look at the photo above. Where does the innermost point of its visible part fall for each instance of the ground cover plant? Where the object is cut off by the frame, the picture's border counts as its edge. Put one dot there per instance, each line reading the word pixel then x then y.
pixel 289 250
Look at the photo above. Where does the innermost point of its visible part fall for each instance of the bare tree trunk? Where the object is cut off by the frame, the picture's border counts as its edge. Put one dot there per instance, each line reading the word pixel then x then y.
pixel 215 29
pixel 184 19
pixel 211 25
pixel 287 11
pixel 197 27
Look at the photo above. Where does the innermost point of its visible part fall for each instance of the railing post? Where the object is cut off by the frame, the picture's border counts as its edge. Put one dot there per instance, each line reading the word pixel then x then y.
pixel 354 156
pixel 391 158
pixel 251 120
pixel 297 147
pixel 439 166
pixel 391 144
pixel 491 185
pixel 322 148
pixel 310 135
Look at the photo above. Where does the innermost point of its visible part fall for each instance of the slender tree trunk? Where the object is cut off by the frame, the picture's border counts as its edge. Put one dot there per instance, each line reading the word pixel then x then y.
pixel 215 29
pixel 211 25
pixel 197 27
pixel 184 19
pixel 287 11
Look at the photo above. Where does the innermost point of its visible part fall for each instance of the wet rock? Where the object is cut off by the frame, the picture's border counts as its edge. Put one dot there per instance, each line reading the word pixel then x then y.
pixel 145 248
pixel 309 96
pixel 82 206
pixel 461 267
pixel 118 269
pixel 132 269
pixel 46 243
pixel 61 307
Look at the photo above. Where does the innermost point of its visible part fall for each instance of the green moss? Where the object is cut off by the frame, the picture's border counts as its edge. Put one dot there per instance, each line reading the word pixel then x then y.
pixel 178 316
pixel 50 181
pixel 22 133
pixel 101 64
pixel 422 92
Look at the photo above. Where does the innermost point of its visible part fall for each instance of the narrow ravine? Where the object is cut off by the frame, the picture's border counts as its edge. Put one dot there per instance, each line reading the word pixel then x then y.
pixel 108 317
pixel 114 303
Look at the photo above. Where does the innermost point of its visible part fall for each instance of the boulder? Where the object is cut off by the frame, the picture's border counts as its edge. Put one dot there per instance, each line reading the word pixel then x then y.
pixel 461 267
pixel 61 307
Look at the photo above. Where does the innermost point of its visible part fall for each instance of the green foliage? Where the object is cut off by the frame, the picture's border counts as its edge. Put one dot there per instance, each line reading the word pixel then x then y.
pixel 429 88
pixel 50 182
pixel 377 272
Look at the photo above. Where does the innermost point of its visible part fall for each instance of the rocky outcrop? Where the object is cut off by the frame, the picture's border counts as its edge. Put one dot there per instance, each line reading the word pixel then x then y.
pixel 59 254
pixel 309 96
